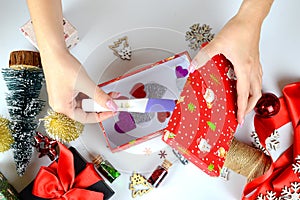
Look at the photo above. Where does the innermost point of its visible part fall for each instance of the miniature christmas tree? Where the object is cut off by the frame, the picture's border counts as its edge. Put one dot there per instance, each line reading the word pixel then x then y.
pixel 24 80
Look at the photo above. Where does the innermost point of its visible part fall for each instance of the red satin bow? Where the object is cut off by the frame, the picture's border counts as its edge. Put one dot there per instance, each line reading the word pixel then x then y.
pixel 58 180
pixel 280 173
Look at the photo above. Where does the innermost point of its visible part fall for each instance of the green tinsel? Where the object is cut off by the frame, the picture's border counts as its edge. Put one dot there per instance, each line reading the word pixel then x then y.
pixel 24 105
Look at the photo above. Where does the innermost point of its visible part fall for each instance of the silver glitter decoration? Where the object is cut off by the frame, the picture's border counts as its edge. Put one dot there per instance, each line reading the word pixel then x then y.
pixel 155 90
pixel 198 35
pixel 142 117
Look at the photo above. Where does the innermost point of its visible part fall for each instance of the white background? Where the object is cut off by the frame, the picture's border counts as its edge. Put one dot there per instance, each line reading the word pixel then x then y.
pixel 99 20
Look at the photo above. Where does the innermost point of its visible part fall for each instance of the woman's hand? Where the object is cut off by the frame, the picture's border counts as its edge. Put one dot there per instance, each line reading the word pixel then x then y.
pixel 238 41
pixel 68 83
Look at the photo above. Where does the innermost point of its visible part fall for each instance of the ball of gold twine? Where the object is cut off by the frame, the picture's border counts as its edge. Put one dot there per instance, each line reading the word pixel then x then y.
pixel 61 127
pixel 5 135
pixel 246 160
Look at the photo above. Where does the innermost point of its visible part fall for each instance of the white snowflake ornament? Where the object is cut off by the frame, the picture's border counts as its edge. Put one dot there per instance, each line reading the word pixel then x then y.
pixel 198 35
pixel 296 165
pixel 291 193
pixel 270 196
pixel 287 193
pixel 256 143
pixel 272 142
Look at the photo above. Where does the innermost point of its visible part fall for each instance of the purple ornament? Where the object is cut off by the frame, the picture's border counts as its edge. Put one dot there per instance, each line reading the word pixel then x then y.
pixel 267 106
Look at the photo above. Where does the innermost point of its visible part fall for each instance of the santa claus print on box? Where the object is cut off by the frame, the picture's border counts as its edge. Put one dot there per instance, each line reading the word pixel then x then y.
pixel 204 120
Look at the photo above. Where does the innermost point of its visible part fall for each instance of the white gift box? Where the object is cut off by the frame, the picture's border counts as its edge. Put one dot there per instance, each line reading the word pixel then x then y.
pixel 70 33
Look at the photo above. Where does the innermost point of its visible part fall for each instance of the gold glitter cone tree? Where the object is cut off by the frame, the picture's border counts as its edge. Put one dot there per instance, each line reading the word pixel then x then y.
pixel 24 81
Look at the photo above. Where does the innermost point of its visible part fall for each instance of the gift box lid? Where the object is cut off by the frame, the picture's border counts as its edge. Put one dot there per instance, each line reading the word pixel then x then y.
pixel 204 120
pixel 80 164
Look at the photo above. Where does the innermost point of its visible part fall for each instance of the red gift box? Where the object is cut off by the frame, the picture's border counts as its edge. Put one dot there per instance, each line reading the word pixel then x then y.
pixel 204 120
pixel 69 177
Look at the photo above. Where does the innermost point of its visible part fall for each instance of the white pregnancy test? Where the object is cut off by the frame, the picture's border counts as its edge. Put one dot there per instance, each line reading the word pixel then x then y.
pixel 142 105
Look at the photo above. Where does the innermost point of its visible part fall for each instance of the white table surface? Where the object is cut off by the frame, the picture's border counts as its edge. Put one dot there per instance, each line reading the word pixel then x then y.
pixel 97 21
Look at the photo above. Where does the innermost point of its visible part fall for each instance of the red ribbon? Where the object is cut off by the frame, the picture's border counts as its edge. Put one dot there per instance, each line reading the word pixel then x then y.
pixel 280 173
pixel 58 180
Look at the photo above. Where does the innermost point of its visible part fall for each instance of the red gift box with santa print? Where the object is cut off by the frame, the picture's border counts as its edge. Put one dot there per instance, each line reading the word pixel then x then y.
pixel 204 120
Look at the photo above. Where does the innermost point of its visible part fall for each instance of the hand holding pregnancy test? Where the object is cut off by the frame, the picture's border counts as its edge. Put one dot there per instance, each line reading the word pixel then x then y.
pixel 143 105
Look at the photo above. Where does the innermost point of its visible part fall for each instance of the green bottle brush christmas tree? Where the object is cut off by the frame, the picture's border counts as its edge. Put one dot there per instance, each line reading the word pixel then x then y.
pixel 24 81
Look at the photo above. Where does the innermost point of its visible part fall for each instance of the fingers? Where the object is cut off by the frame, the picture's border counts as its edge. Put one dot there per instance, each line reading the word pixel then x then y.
pixel 88 88
pixel 202 57
pixel 85 85
pixel 242 88
pixel 114 95
pixel 84 117
pixel 246 102
pixel 249 86
pixel 80 115
pixel 101 98
pixel 105 100
pixel 252 102
pixel 255 91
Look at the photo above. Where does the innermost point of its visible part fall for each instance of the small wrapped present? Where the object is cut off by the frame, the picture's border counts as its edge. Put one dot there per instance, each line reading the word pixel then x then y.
pixel 70 33
pixel 202 125
pixel 162 80
pixel 68 178
pixel 7 192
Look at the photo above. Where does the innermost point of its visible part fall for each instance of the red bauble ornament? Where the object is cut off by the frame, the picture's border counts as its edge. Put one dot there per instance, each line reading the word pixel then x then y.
pixel 267 106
